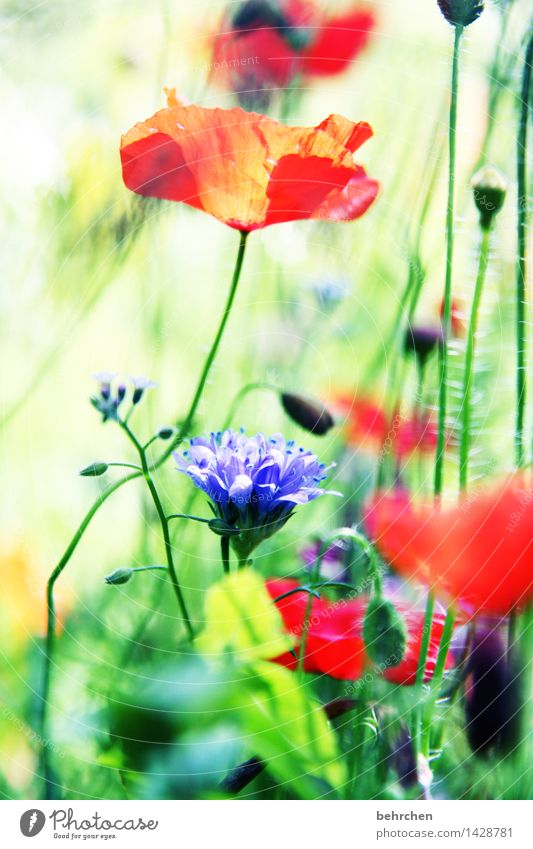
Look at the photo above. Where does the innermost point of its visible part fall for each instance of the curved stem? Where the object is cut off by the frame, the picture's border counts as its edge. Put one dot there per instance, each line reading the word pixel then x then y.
pixel 245 390
pixel 164 528
pixel 446 321
pixel 183 430
pixel 42 723
pixel 521 325
pixel 469 358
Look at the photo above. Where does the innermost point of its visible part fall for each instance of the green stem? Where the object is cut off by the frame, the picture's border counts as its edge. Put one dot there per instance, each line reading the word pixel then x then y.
pixel 446 323
pixel 245 390
pixel 164 528
pixel 105 494
pixel 521 326
pixel 421 668
pixel 188 516
pixel 436 681
pixel 469 358
pixel 224 551
pixel 42 719
pixel 189 418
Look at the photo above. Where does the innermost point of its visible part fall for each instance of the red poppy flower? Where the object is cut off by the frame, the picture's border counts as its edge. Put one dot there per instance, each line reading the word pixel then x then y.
pixel 479 553
pixel 366 425
pixel 247 170
pixel 334 643
pixel 457 317
pixel 265 45
pixel 418 433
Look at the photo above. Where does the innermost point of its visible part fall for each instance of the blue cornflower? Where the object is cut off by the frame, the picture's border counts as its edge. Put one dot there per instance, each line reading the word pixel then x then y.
pixel 253 483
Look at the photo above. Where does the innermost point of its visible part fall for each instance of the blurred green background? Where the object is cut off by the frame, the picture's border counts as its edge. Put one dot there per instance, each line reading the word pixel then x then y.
pixel 94 279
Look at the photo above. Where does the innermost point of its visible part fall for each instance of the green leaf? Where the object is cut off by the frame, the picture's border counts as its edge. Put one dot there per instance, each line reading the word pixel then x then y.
pixel 291 732
pixel 241 617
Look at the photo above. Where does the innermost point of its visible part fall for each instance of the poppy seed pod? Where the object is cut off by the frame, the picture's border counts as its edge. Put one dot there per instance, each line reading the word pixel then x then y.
pixel 461 13
pixel 384 633
pixel 489 187
pixel 422 341
pixel 119 576
pixel 492 697
pixel 310 415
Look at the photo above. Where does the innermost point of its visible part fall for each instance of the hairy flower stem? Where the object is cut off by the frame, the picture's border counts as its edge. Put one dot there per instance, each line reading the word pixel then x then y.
pixel 436 681
pixel 164 528
pixel 42 719
pixel 446 320
pixel 522 209
pixel 468 375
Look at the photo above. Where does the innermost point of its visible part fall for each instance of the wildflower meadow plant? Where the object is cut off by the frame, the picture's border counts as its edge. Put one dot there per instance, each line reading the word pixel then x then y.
pixel 377 645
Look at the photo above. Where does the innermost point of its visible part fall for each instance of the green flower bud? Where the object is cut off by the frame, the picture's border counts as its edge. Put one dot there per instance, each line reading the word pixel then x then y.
pixel 94 470
pixel 384 633
pixel 119 576
pixel 222 529
pixel 310 415
pixel 461 13
pixel 165 432
pixel 489 187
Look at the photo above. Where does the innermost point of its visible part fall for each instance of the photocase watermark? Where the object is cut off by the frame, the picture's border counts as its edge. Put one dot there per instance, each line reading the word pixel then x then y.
pixel 32 822
pixel 32 735
pixel 231 64
pixel 517 515
pixel 66 826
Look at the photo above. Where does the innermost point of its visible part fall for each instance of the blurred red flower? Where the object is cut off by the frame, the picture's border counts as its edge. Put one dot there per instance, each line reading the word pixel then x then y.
pixel 334 644
pixel 367 427
pixel 479 553
pixel 267 44
pixel 247 170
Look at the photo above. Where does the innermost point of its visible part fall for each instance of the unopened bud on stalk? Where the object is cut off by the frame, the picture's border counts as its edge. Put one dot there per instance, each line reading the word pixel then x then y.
pixel 384 633
pixel 461 13
pixel 311 415
pixel 165 432
pixel 94 470
pixel 222 528
pixel 422 341
pixel 489 187
pixel 119 576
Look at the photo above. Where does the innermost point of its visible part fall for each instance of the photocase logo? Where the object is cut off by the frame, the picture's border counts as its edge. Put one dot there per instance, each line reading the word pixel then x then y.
pixel 32 822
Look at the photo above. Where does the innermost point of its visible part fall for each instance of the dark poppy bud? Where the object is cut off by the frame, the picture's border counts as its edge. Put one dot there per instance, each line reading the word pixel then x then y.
pixel 119 576
pixel 492 697
pixel 489 187
pixel 222 528
pixel 165 432
pixel 311 415
pixel 461 13
pixel 422 341
pixel 263 14
pixel 94 470
pixel 384 633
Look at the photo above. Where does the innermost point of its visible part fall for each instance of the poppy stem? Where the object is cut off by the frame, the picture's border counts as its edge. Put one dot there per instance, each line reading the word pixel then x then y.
pixel 446 319
pixel 522 210
pixel 421 668
pixel 436 681
pixel 468 374
pixel 315 573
